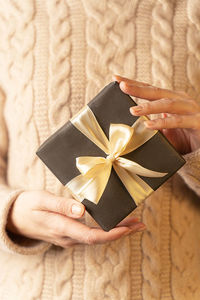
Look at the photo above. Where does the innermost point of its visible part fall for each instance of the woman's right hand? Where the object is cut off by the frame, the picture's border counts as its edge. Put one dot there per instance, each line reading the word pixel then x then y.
pixel 43 216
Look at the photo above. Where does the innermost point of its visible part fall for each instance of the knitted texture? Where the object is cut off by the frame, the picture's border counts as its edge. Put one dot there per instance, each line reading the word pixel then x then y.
pixel 162 72
pixel 55 56
pixel 193 41
pixel 59 67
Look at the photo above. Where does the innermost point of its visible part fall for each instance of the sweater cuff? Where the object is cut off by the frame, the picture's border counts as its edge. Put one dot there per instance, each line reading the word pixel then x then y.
pixel 190 172
pixel 10 242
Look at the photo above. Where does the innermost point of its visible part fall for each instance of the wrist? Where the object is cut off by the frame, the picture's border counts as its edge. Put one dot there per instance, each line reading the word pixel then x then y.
pixel 10 226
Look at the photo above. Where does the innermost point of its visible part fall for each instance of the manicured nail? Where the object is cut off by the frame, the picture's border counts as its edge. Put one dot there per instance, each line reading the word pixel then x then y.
pixel 141 228
pixel 136 109
pixel 115 75
pixel 76 209
pixel 138 227
pixel 135 219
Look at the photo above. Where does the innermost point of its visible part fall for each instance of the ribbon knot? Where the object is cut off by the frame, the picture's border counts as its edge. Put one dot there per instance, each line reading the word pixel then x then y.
pixel 95 171
pixel 111 158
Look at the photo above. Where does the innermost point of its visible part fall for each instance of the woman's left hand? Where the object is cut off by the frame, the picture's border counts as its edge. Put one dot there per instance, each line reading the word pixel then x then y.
pixel 180 121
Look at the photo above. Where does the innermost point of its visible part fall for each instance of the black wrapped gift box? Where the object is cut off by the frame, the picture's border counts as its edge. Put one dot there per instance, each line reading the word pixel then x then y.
pixel 60 150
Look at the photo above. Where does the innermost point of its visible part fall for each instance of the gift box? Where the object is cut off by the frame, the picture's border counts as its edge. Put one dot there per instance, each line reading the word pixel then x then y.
pixel 108 159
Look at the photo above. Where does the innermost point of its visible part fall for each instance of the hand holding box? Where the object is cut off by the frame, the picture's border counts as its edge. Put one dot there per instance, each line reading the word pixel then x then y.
pixel 142 159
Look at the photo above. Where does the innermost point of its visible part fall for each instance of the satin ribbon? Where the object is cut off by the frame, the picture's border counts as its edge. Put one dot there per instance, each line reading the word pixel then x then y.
pixel 95 171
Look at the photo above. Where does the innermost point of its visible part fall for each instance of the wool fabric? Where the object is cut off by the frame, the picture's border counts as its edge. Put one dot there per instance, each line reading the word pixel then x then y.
pixel 55 56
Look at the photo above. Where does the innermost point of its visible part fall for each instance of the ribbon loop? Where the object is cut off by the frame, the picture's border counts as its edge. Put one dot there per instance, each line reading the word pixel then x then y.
pixel 119 137
pixel 95 171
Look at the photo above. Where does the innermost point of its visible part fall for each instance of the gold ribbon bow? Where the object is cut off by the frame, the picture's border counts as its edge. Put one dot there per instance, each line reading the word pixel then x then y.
pixel 95 171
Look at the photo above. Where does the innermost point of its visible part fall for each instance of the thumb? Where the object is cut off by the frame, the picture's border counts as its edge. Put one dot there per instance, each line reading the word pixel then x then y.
pixel 64 206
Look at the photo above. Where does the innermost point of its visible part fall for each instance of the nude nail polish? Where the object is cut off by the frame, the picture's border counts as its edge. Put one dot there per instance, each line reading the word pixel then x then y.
pixel 76 209
pixel 136 109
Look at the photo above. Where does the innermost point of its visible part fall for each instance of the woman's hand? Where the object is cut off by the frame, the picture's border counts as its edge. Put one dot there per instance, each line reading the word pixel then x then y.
pixel 180 121
pixel 41 215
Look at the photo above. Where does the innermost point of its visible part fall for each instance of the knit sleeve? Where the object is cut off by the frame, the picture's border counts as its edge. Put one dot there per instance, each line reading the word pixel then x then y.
pixel 10 242
pixel 190 172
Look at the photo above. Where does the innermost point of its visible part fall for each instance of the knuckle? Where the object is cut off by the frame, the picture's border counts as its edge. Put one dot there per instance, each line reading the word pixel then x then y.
pixel 62 207
pixel 56 243
pixel 65 244
pixel 178 120
pixel 60 243
pixel 146 106
pixel 57 229
pixel 54 231
pixel 170 102
pixel 90 238
pixel 162 122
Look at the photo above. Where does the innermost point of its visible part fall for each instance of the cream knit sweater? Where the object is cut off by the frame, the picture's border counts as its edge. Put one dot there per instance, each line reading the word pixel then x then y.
pixel 56 55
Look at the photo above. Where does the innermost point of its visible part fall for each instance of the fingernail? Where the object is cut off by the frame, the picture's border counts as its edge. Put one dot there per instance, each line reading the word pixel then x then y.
pixel 136 109
pixel 76 209
pixel 114 75
pixel 135 219
pixel 141 228
pixel 138 227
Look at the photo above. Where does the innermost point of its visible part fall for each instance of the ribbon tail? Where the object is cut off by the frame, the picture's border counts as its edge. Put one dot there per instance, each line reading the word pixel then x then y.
pixel 137 188
pixel 135 168
pixel 91 185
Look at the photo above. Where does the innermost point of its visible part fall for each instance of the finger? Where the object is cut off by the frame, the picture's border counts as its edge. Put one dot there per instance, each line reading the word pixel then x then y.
pixel 65 242
pixel 119 78
pixel 173 106
pixel 149 92
pixel 175 121
pixel 131 223
pixel 98 236
pixel 87 235
pixel 128 221
pixel 64 206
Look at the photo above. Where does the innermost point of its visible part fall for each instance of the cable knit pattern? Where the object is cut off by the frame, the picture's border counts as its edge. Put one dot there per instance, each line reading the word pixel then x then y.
pixel 151 244
pixel 180 80
pixel 162 47
pixel 63 275
pixel 29 279
pixel 19 63
pixel 60 47
pixel 191 171
pixel 162 71
pixel 105 285
pixel 183 229
pixel 107 16
pixel 55 56
pixel 20 101
pixel 193 41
